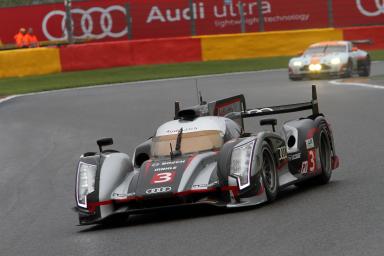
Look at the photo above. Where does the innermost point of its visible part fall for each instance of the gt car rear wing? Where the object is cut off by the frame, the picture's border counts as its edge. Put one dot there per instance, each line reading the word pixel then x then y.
pixel 362 41
pixel 313 104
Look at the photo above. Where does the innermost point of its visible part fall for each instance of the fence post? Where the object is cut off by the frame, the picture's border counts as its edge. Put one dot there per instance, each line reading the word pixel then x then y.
pixel 193 23
pixel 330 14
pixel 68 20
pixel 242 16
pixel 261 15
pixel 129 20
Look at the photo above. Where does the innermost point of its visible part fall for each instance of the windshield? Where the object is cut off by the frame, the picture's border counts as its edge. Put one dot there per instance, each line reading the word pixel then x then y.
pixel 190 142
pixel 326 49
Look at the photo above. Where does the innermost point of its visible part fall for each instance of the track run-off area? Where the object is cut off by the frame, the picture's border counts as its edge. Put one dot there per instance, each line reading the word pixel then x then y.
pixel 42 136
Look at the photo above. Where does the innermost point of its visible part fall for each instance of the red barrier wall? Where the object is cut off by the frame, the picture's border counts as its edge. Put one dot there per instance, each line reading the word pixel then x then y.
pixel 128 53
pixel 347 13
pixel 375 34
pixel 95 55
pixel 159 51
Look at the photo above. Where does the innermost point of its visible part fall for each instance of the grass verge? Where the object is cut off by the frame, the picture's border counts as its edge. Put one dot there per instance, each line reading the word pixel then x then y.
pixel 22 85
pixel 11 86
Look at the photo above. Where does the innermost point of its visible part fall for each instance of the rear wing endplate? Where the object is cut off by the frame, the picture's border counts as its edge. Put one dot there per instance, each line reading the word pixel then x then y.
pixel 227 106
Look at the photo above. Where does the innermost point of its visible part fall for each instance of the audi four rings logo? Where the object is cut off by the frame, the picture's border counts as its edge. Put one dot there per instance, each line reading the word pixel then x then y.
pixel 87 23
pixel 158 190
pixel 379 5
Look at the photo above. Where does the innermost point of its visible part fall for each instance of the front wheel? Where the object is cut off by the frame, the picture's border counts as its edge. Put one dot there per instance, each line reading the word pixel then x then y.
pixel 269 172
pixel 295 78
pixel 348 72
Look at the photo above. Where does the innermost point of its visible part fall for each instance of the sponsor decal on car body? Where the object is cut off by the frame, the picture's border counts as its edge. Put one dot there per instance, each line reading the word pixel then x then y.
pixel 158 190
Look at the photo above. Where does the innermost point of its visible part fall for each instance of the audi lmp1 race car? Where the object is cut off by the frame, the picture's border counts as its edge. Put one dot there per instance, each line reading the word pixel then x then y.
pixel 204 156
pixel 334 58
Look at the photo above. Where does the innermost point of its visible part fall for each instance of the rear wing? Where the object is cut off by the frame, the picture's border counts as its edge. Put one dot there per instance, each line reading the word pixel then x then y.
pixel 235 108
pixel 311 105
pixel 362 41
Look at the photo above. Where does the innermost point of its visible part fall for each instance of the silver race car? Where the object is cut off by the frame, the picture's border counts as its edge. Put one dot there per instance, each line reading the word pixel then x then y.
pixel 334 58
pixel 204 156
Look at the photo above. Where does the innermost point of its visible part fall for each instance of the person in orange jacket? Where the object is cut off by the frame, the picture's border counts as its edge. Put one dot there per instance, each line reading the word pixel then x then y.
pixel 31 39
pixel 21 39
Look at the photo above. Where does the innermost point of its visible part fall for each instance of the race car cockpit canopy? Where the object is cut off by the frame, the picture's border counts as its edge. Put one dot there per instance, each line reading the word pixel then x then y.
pixel 201 134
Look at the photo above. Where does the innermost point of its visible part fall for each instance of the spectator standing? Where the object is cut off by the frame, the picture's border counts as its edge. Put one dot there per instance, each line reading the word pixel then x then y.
pixel 21 39
pixel 31 39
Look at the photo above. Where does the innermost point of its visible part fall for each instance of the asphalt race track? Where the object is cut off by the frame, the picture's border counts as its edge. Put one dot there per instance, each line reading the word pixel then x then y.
pixel 43 135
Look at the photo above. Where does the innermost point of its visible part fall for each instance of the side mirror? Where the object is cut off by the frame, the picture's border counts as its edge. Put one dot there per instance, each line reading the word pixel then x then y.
pixel 104 142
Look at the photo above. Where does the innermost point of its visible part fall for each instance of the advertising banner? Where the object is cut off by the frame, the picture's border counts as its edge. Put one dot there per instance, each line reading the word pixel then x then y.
pixel 358 12
pixel 117 19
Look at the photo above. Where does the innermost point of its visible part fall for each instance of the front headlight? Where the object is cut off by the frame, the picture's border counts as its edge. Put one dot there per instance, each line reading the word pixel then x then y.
pixel 241 163
pixel 297 63
pixel 335 61
pixel 315 67
pixel 85 182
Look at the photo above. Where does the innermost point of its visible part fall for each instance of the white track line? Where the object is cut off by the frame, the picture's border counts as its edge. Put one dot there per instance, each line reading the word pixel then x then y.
pixel 8 98
pixel 372 86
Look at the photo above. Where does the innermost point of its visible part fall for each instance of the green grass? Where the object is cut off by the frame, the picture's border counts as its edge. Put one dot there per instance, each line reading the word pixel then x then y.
pixel 377 55
pixel 378 78
pixel 11 86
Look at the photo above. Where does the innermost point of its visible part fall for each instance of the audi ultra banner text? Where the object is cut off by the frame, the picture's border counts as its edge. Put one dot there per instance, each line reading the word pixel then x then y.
pixel 107 20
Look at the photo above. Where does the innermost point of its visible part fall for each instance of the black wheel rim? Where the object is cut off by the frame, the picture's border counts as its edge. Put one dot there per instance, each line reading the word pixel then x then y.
pixel 269 172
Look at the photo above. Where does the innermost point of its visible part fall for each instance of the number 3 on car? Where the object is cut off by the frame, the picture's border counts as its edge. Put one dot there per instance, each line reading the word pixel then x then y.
pixel 163 177
pixel 312 160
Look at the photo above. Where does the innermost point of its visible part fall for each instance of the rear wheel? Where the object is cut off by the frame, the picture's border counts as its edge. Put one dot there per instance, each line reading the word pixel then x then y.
pixel 365 67
pixel 325 153
pixel 325 158
pixel 269 173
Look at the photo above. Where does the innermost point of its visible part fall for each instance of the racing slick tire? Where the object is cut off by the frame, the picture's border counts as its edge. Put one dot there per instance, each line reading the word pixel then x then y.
pixel 224 162
pixel 269 172
pixel 364 67
pixel 325 152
